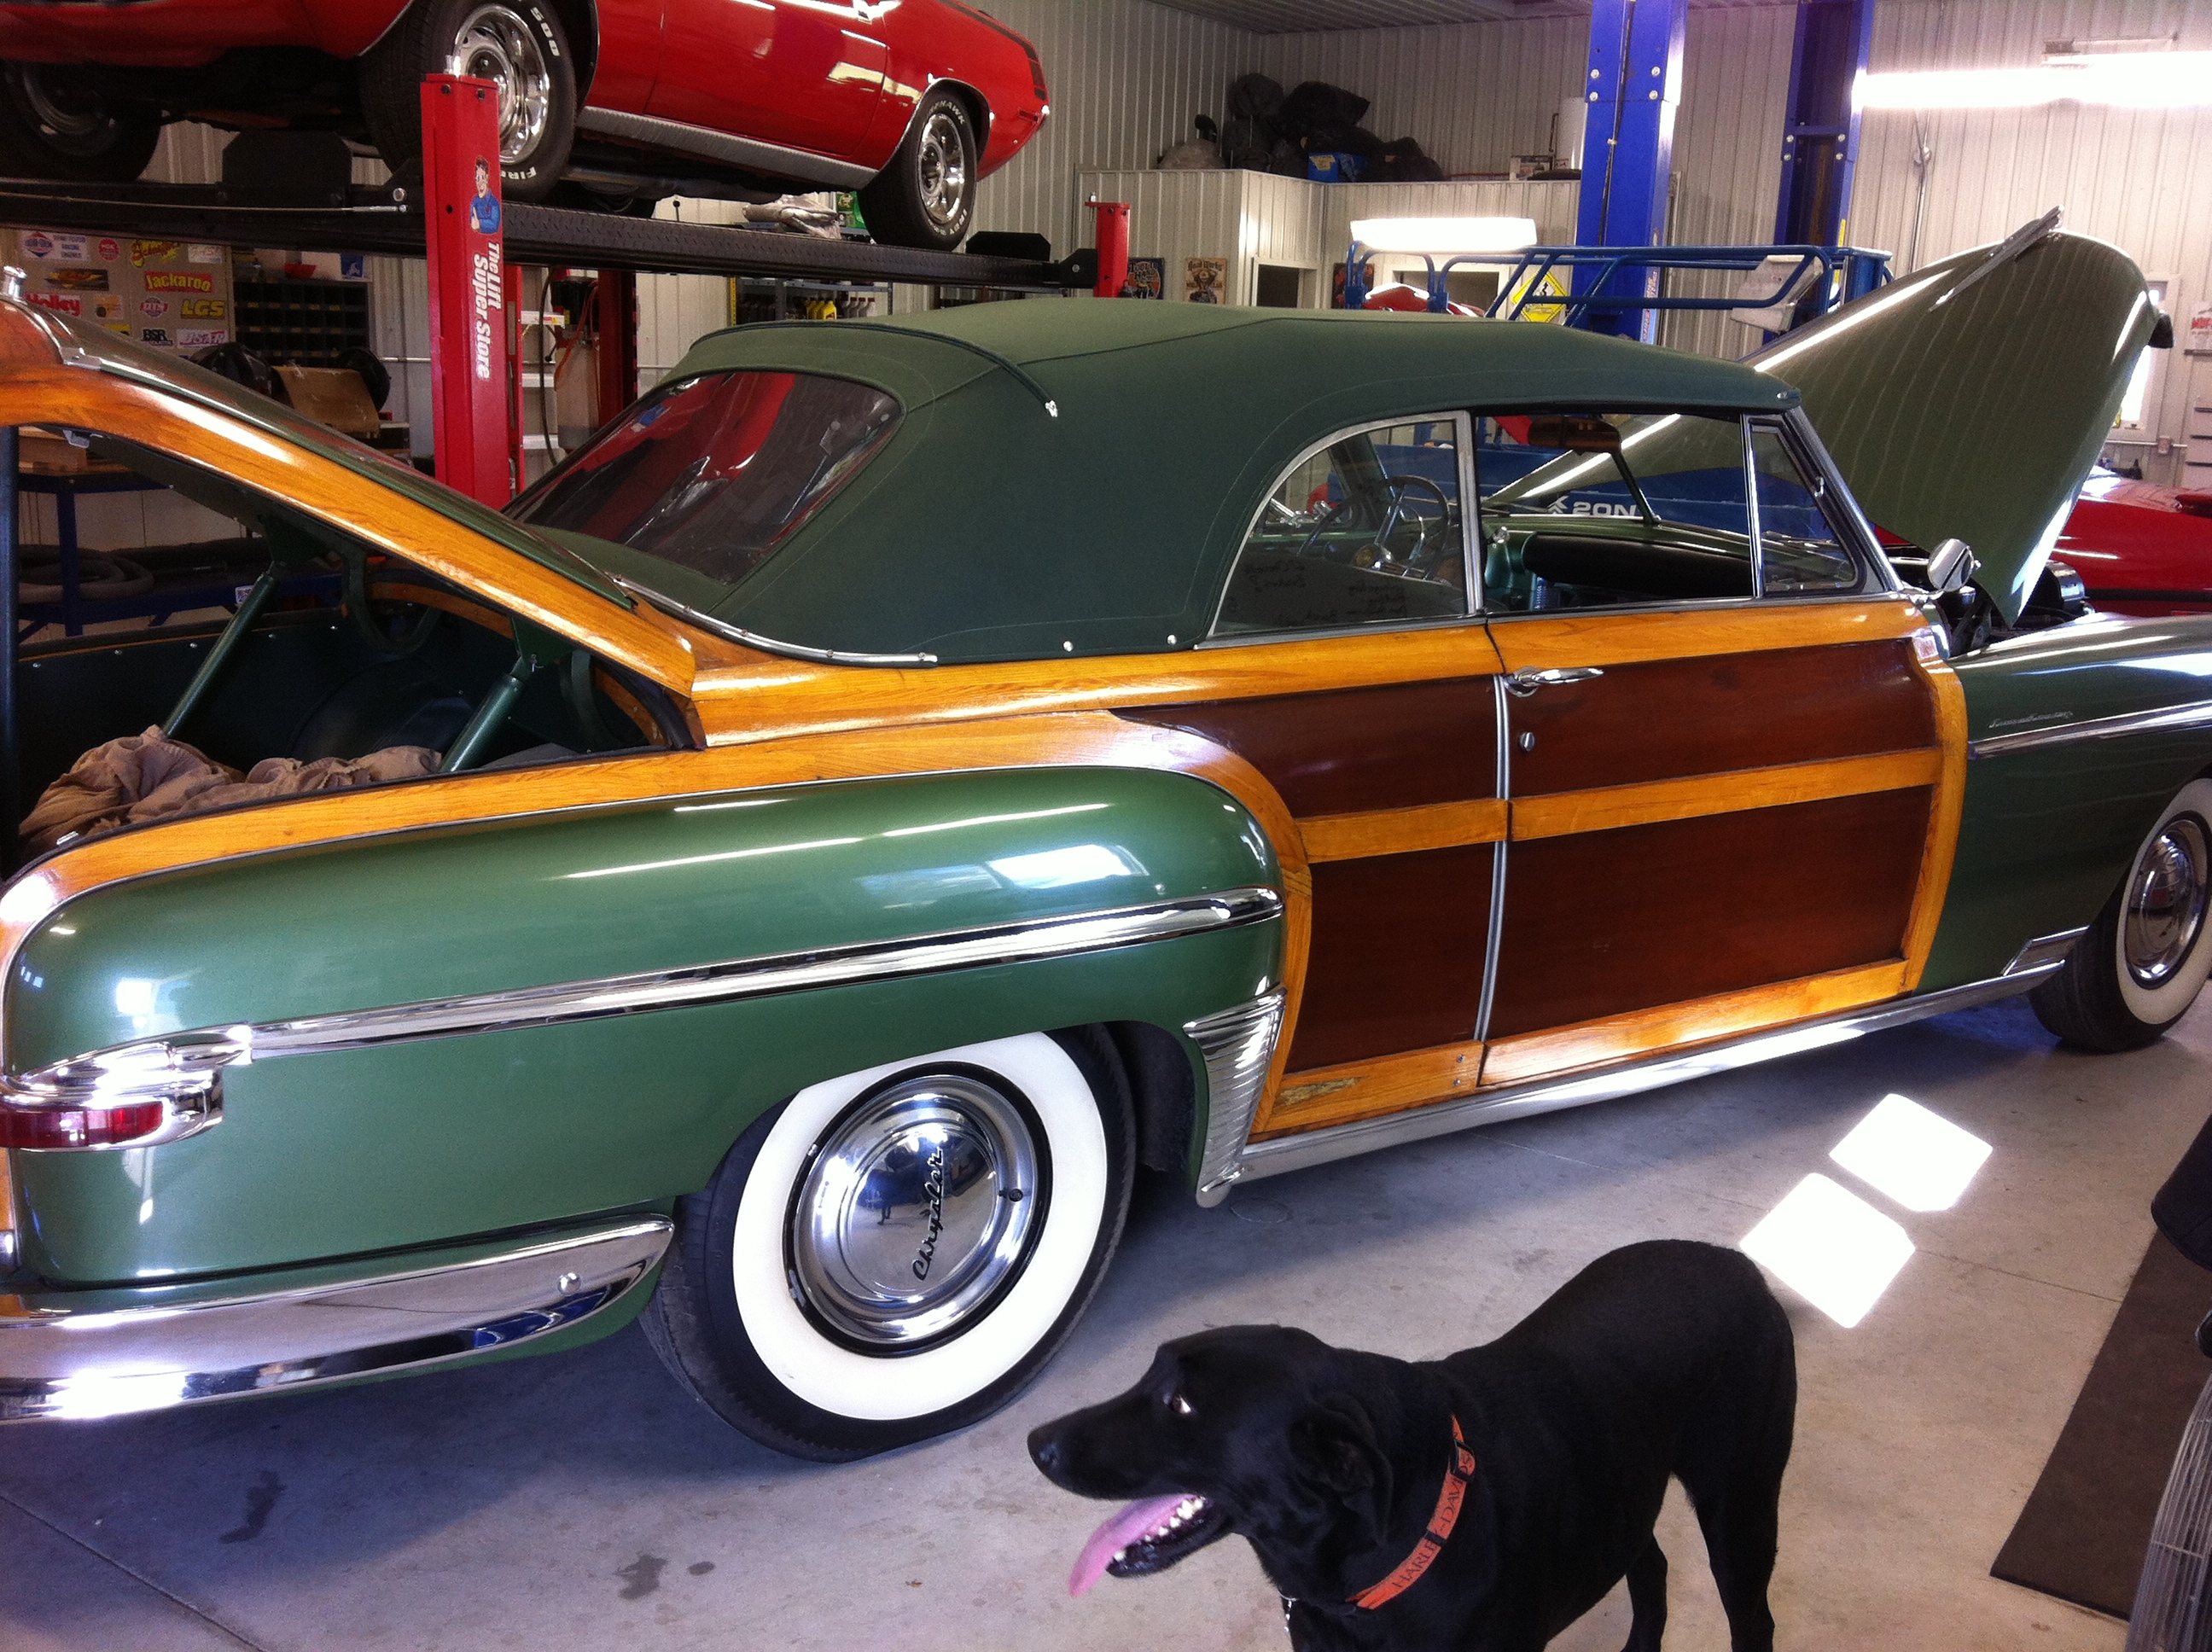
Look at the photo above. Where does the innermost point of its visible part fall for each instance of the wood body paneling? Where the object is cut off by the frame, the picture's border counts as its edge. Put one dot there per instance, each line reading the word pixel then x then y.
pixel 1665 720
pixel 1602 923
pixel 1395 790
pixel 1403 746
pixel 1397 955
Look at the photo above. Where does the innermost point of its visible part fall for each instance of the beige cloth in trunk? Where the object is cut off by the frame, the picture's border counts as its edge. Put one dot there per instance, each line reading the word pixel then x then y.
pixel 149 777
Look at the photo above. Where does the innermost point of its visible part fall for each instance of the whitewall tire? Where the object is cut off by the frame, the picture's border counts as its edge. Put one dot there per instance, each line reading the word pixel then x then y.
pixel 894 1253
pixel 2141 964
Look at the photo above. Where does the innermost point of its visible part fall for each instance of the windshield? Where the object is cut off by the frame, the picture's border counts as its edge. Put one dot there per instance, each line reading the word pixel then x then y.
pixel 713 473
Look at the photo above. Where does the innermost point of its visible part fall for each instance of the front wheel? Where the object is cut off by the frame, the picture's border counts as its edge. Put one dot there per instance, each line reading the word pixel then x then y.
pixel 54 126
pixel 894 1254
pixel 2141 965
pixel 926 197
pixel 516 44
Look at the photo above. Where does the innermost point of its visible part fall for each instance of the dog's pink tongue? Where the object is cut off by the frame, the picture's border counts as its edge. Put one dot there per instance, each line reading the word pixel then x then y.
pixel 1131 1523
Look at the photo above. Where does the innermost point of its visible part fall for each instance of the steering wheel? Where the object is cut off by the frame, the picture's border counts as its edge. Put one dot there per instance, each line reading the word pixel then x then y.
pixel 356 595
pixel 1397 487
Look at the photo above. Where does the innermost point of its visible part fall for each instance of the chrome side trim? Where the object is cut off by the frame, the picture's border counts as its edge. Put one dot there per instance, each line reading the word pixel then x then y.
pixel 772 158
pixel 186 1064
pixel 2198 713
pixel 2046 952
pixel 58 1360
pixel 1283 1153
pixel 708 624
pixel 1239 1043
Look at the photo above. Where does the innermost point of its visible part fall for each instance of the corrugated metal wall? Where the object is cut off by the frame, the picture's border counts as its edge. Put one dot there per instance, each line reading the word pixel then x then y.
pixel 1475 94
pixel 1728 157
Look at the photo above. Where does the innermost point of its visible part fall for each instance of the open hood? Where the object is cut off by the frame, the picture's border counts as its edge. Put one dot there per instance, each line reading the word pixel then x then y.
pixel 1970 399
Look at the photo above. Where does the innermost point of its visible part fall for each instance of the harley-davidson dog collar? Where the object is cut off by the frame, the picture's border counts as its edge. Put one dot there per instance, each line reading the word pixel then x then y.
pixel 1448 1501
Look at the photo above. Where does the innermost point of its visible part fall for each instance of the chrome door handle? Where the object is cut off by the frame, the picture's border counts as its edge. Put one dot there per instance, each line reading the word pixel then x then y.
pixel 1527 681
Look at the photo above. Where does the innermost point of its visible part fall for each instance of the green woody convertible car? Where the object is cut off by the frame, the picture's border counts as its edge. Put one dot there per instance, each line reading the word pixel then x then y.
pixel 786 874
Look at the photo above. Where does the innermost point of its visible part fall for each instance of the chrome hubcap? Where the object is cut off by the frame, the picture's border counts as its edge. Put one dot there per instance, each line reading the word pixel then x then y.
pixel 920 1207
pixel 2167 899
pixel 944 158
pixel 494 44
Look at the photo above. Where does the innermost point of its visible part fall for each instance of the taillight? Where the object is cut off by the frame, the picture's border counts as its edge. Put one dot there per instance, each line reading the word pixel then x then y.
pixel 82 1126
pixel 132 1095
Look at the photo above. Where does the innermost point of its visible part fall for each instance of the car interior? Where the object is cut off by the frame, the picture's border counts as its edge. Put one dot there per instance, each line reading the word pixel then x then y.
pixel 331 649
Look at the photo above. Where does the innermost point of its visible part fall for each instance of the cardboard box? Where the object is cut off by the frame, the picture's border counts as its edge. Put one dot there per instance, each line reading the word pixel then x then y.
pixel 333 395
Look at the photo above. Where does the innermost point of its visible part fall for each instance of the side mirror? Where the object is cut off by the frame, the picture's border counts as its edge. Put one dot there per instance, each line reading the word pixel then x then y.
pixel 1951 566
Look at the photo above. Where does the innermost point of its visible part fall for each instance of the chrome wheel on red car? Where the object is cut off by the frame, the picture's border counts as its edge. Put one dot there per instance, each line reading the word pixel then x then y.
pixel 926 196
pixel 518 46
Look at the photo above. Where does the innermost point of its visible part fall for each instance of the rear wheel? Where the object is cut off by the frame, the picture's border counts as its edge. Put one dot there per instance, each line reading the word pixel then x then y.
pixel 893 1254
pixel 2141 965
pixel 926 196
pixel 53 125
pixel 516 44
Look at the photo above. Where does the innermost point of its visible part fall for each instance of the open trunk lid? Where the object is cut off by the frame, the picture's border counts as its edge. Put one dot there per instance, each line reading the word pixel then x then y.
pixel 1970 399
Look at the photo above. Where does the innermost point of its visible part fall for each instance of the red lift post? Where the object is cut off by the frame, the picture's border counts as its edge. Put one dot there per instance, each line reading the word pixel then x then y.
pixel 1113 243
pixel 471 394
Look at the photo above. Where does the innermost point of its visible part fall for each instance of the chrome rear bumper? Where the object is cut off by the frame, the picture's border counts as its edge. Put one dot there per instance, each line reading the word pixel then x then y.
pixel 60 1357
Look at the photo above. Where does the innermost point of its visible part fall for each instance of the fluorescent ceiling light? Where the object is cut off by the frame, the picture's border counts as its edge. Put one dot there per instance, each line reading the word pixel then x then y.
pixel 1442 237
pixel 1918 1159
pixel 2130 80
pixel 1830 1247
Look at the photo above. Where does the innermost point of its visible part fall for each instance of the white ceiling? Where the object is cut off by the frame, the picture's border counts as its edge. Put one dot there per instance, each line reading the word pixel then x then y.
pixel 1302 16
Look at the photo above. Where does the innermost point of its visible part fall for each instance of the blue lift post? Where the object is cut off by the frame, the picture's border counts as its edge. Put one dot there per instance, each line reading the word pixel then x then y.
pixel 1632 93
pixel 1820 130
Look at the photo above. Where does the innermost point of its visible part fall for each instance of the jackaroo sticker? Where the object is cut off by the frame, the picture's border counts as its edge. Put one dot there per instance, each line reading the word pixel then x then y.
pixel 178 281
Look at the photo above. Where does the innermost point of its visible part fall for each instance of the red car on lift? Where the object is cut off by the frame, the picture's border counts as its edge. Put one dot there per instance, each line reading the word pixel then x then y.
pixel 2139 547
pixel 908 101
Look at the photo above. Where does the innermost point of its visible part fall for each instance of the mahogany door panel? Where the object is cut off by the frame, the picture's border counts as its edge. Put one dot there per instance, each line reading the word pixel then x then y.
pixel 1403 870
pixel 1664 720
pixel 1707 801
pixel 1356 750
pixel 1397 953
pixel 1603 923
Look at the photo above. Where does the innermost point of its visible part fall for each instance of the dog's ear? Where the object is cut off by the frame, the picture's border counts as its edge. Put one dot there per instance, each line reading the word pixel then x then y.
pixel 1335 1443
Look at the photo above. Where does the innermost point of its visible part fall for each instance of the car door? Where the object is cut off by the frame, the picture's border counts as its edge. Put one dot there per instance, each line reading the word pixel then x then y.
pixel 801 74
pixel 1384 742
pixel 1734 755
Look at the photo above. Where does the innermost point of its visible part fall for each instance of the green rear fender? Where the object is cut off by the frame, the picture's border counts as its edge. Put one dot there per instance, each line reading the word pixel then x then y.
pixel 2047 835
pixel 420 1142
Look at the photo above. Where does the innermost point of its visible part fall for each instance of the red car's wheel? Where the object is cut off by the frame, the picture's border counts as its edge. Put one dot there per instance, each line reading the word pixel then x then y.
pixel 516 44
pixel 53 127
pixel 926 196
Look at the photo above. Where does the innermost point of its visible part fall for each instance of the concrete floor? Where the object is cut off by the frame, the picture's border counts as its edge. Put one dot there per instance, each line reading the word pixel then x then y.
pixel 585 1501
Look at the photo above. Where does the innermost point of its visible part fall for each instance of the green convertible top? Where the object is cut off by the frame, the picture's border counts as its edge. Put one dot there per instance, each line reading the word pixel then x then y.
pixel 1076 478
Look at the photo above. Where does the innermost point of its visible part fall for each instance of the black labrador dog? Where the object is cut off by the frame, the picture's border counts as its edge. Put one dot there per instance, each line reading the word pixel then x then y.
pixel 1484 1501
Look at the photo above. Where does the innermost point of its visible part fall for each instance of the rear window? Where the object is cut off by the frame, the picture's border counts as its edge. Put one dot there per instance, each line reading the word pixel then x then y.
pixel 713 473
